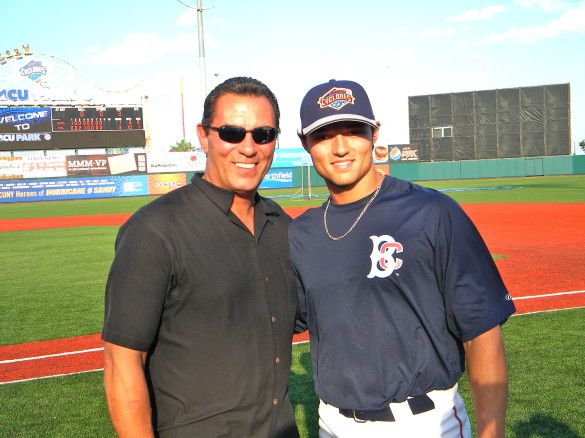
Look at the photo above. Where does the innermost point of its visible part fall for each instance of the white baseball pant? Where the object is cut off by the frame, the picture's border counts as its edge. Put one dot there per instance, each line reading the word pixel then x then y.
pixel 447 420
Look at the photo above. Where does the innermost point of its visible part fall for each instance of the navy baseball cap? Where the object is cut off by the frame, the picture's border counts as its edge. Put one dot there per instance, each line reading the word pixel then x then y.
pixel 335 101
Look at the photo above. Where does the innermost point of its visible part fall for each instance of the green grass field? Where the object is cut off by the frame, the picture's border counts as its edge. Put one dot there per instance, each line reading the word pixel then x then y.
pixel 53 280
pixel 532 189
pixel 545 359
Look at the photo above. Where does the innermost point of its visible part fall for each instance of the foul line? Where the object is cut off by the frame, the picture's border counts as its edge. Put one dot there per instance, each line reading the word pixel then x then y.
pixel 294 343
pixel 68 353
pixel 528 297
pixel 23 359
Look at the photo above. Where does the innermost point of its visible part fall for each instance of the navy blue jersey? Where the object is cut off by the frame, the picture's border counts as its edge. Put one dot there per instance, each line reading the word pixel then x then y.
pixel 389 306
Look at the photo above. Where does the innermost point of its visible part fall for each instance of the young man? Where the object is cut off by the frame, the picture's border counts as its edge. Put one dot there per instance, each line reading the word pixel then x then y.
pixel 396 287
pixel 200 299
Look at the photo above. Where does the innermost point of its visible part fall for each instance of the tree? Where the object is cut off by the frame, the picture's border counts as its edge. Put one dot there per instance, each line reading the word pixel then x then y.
pixel 582 145
pixel 182 146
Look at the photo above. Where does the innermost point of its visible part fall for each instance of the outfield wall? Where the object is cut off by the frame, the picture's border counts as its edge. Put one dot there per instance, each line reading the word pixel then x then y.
pixel 108 186
pixel 472 169
pixel 114 186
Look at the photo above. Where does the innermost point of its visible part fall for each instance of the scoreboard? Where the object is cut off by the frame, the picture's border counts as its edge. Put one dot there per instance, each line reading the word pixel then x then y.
pixel 96 118
pixel 71 127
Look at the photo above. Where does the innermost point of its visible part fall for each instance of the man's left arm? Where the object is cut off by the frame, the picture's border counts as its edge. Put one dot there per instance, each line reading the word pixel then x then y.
pixel 488 376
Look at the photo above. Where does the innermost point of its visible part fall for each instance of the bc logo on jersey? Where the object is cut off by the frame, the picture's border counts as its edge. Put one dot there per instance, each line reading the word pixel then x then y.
pixel 383 261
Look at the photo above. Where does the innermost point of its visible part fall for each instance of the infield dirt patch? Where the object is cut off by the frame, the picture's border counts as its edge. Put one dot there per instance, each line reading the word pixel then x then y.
pixel 544 243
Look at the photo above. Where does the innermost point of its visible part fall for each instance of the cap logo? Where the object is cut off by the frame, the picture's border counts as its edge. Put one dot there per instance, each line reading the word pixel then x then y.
pixel 336 98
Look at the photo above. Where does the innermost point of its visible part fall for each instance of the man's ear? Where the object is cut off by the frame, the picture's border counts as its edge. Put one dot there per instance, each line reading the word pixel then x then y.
pixel 375 133
pixel 202 134
pixel 303 139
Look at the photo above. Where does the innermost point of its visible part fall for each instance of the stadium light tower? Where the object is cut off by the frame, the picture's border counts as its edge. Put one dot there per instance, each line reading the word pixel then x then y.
pixel 200 37
pixel 201 43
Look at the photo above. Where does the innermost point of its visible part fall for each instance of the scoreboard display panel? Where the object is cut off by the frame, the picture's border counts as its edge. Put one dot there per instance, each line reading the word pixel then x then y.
pixel 96 119
pixel 71 127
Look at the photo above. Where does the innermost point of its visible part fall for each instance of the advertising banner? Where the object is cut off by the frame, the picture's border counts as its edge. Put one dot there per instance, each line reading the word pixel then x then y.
pixel 162 183
pixel 73 188
pixel 403 152
pixel 380 154
pixel 127 163
pixel 131 185
pixel 25 141
pixel 43 167
pixel 10 168
pixel 22 120
pixel 83 165
pixel 176 162
pixel 290 157
pixel 277 179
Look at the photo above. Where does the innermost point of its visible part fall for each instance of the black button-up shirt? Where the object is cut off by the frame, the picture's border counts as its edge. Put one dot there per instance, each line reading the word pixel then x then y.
pixel 213 305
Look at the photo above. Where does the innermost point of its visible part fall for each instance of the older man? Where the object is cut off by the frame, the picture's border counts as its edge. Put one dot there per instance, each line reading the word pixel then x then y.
pixel 200 301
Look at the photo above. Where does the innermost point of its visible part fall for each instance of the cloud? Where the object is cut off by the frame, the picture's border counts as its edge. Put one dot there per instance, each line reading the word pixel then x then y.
pixel 92 49
pixel 478 14
pixel 187 18
pixel 436 32
pixel 545 5
pixel 141 48
pixel 569 22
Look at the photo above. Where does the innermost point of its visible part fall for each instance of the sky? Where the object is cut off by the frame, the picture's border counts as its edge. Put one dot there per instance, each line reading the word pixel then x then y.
pixel 394 49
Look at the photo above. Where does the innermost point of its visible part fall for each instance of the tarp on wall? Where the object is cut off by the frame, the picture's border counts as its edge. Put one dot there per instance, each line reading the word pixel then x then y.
pixel 502 123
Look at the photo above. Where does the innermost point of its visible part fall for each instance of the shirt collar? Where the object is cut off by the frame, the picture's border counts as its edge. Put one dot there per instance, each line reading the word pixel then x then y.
pixel 223 198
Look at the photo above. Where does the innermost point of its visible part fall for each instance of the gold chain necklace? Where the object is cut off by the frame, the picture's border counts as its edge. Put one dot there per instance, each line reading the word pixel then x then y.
pixel 354 223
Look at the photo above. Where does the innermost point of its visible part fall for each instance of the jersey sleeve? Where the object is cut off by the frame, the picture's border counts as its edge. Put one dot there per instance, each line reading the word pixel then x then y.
pixel 138 281
pixel 476 298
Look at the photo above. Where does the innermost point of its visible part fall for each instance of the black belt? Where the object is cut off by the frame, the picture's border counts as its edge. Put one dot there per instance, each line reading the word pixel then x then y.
pixel 418 405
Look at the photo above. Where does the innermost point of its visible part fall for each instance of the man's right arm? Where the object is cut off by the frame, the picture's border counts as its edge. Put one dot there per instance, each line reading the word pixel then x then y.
pixel 127 391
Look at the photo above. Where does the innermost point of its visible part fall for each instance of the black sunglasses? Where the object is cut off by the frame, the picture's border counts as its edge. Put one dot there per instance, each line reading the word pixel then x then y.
pixel 235 134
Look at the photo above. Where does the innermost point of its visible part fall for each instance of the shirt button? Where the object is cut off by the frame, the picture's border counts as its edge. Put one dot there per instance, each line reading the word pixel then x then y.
pixel 273 319
pixel 277 359
pixel 267 279
pixel 275 402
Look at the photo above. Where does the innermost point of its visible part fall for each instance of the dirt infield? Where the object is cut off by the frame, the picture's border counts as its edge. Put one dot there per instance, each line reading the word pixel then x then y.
pixel 63 222
pixel 542 244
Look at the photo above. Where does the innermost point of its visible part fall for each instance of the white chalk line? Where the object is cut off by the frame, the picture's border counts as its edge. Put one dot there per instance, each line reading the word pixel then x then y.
pixel 548 295
pixel 294 343
pixel 24 359
pixel 68 353
pixel 76 372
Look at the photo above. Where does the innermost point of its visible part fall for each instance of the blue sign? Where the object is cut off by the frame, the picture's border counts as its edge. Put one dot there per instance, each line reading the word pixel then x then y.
pixel 24 120
pixel 13 94
pixel 291 157
pixel 277 179
pixel 73 188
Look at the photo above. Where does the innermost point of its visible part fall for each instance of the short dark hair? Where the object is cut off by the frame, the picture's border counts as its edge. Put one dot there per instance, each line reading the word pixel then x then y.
pixel 239 85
